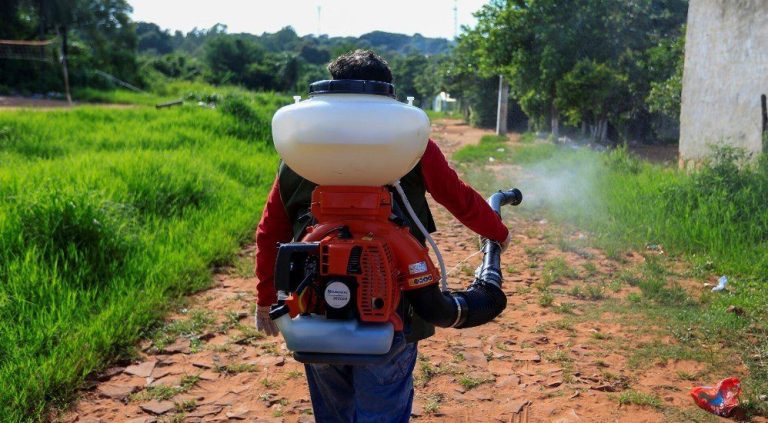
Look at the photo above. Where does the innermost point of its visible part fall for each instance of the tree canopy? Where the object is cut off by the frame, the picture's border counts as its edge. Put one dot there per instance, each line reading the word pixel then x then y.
pixel 592 62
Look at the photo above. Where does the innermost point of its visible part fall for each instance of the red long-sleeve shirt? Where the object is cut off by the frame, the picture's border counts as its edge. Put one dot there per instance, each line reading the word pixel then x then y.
pixel 441 181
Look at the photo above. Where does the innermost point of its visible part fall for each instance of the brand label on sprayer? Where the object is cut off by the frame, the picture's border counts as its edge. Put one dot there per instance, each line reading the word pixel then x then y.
pixel 337 294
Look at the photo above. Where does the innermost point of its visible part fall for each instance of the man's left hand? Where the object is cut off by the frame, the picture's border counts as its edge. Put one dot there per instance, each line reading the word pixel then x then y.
pixel 505 244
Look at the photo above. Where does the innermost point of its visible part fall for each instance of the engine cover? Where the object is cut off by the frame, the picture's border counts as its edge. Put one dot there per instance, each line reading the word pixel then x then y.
pixel 354 262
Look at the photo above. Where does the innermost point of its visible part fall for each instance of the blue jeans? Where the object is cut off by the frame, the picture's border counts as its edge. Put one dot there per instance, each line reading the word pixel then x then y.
pixel 362 394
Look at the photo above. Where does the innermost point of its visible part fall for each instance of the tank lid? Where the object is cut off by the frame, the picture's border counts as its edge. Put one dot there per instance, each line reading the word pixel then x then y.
pixel 352 86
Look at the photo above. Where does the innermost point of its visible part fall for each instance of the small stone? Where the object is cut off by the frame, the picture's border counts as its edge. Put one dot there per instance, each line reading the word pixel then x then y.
pixel 142 420
pixel 504 381
pixel 306 419
pixel 209 375
pixel 116 391
pixel 207 336
pixel 90 420
pixel 240 414
pixel 239 389
pixel 142 369
pixel 554 383
pixel 171 380
pixel 242 314
pixel 604 388
pixel 205 410
pixel 181 346
pixel 516 406
pixel 534 357
pixel 417 411
pixel 735 310
pixel 202 364
pixel 109 373
pixel 501 368
pixel 569 416
pixel 458 397
pixel 161 372
pixel 158 407
pixel 472 343
pixel 475 358
pixel 269 361
pixel 479 395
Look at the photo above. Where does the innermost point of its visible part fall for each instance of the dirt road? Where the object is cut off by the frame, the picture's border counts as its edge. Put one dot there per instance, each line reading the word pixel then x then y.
pixel 565 350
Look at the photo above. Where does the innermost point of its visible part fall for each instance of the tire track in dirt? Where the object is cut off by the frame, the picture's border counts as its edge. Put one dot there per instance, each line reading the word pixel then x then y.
pixel 564 350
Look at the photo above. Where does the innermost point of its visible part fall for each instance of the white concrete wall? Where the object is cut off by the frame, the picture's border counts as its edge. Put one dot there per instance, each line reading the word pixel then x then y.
pixel 725 74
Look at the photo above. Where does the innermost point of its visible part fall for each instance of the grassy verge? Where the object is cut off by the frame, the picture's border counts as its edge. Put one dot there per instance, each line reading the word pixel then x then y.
pixel 190 92
pixel 715 219
pixel 443 115
pixel 105 216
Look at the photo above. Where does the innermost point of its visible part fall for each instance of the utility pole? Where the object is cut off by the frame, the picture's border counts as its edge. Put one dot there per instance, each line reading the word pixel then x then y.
pixel 455 19
pixel 501 112
pixel 319 20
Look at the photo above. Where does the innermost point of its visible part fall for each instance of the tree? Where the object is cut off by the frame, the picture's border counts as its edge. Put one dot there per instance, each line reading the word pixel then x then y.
pixel 538 44
pixel 231 59
pixel 152 39
pixel 665 92
pixel 591 94
pixel 405 70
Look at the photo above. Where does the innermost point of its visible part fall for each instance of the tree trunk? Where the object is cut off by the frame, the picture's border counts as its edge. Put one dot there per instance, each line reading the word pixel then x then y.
pixel 65 71
pixel 555 123
pixel 603 130
pixel 583 128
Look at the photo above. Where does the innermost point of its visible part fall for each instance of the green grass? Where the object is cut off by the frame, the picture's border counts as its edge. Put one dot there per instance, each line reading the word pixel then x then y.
pixel 106 217
pixel 501 150
pixel 639 398
pixel 433 115
pixel 470 382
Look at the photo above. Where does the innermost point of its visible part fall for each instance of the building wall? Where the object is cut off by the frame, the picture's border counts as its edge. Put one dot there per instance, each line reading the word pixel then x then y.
pixel 725 75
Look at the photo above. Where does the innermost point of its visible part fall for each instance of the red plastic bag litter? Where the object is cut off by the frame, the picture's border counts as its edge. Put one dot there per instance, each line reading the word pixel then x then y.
pixel 721 399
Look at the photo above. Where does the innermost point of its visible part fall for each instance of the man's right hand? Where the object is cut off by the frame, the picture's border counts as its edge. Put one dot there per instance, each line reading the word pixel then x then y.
pixel 264 323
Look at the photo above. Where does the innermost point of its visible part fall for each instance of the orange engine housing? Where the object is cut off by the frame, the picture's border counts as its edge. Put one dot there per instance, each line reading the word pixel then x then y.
pixel 358 242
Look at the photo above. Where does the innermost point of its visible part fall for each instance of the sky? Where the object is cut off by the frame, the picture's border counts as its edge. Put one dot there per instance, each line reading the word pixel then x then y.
pixel 431 18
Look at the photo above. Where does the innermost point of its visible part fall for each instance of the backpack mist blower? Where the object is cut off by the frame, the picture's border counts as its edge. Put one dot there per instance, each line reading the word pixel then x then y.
pixel 339 287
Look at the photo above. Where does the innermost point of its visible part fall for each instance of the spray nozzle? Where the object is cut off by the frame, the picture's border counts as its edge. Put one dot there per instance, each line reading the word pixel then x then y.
pixel 296 99
pixel 410 100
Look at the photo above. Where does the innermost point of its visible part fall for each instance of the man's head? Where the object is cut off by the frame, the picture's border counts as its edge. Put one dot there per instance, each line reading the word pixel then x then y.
pixel 361 64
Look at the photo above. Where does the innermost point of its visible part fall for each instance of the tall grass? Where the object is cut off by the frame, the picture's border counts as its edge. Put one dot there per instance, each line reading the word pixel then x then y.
pixel 715 218
pixel 107 215
pixel 717 214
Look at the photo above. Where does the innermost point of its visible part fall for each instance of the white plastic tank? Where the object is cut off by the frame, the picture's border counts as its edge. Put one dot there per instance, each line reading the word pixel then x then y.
pixel 351 132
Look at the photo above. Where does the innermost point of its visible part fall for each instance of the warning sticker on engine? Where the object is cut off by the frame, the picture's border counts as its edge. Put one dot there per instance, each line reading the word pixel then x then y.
pixel 337 294
pixel 417 268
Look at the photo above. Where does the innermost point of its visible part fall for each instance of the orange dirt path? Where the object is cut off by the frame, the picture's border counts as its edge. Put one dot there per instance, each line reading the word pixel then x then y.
pixel 568 361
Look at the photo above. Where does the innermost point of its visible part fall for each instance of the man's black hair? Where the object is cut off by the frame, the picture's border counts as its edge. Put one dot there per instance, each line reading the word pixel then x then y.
pixel 360 64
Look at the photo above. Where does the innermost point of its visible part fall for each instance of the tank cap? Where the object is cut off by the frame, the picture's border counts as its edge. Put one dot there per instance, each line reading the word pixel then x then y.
pixel 352 86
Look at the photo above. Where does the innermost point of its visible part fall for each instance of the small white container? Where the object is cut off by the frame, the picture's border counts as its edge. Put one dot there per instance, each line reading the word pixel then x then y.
pixel 350 139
